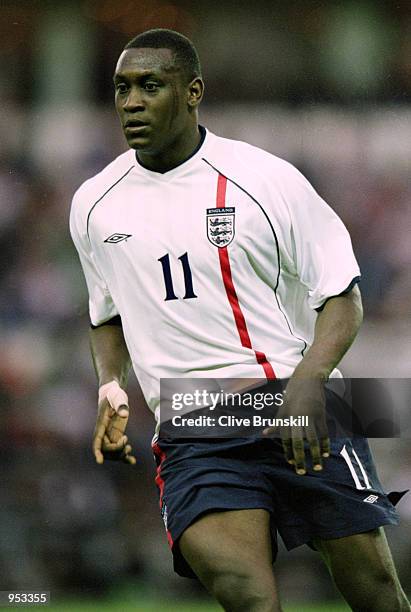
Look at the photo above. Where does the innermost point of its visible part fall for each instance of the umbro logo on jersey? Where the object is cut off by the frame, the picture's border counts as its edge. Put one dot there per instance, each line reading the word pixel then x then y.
pixel 220 225
pixel 371 499
pixel 114 238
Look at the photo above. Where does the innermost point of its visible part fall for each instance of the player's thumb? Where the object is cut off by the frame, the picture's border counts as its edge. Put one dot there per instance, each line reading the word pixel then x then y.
pixel 116 397
pixel 123 411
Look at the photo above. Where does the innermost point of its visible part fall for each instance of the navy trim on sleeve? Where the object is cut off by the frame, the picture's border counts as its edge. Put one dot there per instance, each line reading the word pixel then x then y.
pixel 114 321
pixel 354 282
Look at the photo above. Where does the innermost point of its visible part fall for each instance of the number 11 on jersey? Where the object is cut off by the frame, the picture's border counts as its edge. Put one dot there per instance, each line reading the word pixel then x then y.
pixel 168 281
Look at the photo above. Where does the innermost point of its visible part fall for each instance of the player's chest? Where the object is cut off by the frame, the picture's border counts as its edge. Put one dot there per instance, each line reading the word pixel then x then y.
pixel 175 239
pixel 148 224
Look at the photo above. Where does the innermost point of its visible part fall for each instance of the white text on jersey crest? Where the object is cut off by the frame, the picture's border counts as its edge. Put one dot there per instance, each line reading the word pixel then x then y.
pixel 220 225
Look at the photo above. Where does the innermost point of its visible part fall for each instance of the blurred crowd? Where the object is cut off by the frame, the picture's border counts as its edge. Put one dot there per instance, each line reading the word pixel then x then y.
pixel 65 523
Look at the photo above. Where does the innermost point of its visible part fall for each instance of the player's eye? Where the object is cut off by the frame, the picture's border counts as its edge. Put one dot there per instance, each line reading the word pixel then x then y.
pixel 121 87
pixel 150 86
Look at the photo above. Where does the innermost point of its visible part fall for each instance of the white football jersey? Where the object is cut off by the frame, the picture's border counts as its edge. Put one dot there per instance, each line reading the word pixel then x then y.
pixel 216 267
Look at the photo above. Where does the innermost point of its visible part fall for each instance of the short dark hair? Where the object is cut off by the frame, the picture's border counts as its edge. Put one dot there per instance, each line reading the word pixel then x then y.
pixel 185 53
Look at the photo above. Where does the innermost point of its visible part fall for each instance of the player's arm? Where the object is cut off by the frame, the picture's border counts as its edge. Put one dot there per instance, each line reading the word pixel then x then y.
pixel 112 364
pixel 336 327
pixel 110 355
pixel 109 351
pixel 316 248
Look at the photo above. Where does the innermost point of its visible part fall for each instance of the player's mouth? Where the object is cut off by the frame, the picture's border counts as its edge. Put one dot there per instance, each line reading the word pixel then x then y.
pixel 135 126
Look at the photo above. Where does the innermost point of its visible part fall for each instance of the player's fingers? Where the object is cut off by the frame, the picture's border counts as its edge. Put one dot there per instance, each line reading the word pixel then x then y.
pixel 115 452
pixel 269 431
pixel 315 450
pixel 126 455
pixel 287 444
pixel 111 436
pixel 325 446
pixel 130 459
pixel 116 429
pixel 98 455
pixel 97 446
pixel 110 446
pixel 288 450
pixel 103 418
pixel 99 431
pixel 321 428
pixel 298 450
pixel 324 436
pixel 123 411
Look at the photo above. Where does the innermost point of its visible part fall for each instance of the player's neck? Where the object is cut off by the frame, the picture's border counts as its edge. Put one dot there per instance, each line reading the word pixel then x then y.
pixel 175 155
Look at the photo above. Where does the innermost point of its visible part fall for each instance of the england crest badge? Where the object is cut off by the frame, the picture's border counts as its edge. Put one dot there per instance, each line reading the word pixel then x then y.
pixel 220 225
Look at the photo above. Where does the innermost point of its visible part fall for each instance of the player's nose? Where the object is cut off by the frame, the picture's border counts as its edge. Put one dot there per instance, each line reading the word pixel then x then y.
pixel 134 101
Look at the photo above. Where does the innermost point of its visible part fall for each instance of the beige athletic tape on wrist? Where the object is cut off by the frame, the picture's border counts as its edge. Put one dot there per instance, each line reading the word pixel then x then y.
pixel 115 395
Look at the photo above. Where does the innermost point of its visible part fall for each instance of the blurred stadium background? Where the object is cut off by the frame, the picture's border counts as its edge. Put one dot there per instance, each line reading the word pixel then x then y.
pixel 324 84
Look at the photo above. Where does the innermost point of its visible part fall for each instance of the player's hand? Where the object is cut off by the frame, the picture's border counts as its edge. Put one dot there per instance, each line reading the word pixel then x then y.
pixel 109 439
pixel 305 398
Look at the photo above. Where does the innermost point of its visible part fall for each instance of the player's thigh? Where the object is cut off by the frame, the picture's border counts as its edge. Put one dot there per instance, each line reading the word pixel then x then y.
pixel 234 544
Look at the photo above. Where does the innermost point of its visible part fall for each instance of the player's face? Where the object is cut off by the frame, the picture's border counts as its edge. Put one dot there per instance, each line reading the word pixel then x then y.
pixel 151 99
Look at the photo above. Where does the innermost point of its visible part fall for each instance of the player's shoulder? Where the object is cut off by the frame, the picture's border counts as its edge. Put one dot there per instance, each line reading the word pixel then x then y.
pixel 252 163
pixel 93 188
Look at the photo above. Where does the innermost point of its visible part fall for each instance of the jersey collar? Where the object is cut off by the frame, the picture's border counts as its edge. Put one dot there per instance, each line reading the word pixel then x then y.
pixel 182 165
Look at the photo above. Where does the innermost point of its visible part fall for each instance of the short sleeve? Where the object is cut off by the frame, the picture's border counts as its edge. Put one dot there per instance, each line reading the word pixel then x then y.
pixel 101 305
pixel 317 244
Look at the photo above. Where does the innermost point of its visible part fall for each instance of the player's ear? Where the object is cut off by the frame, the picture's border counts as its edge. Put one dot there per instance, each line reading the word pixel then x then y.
pixel 195 91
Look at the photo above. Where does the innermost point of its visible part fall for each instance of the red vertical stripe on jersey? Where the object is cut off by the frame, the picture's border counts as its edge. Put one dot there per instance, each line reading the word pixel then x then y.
pixel 221 191
pixel 160 482
pixel 231 292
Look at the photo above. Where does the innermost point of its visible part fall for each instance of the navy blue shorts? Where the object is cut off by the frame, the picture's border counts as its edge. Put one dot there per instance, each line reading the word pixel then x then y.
pixel 198 476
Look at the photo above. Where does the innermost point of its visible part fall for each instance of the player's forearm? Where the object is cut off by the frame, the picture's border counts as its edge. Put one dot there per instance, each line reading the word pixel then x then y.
pixel 336 327
pixel 110 355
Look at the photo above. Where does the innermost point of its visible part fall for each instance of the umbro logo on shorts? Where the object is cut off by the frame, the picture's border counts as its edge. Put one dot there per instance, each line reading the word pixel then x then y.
pixel 371 499
pixel 114 238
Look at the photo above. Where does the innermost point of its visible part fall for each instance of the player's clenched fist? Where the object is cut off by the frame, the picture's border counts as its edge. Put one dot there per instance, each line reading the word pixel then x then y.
pixel 109 440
